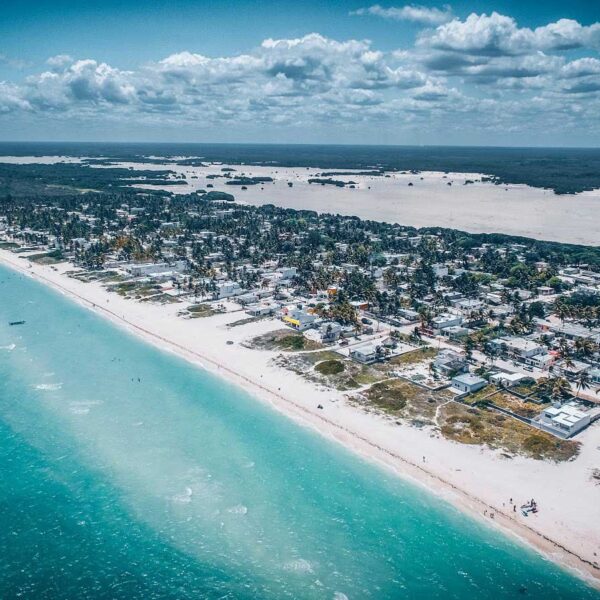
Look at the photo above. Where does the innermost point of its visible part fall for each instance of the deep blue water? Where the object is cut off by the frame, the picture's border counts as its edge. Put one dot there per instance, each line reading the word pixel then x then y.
pixel 180 485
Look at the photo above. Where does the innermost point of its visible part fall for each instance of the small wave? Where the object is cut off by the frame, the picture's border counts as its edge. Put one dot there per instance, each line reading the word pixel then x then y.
pixel 10 347
pixel 185 497
pixel 339 596
pixel 238 509
pixel 82 408
pixel 48 386
pixel 249 465
pixel 298 566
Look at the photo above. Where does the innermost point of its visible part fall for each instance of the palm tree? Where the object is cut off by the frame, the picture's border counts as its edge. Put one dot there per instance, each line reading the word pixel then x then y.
pixel 583 381
pixel 555 387
pixel 584 346
pixel 560 388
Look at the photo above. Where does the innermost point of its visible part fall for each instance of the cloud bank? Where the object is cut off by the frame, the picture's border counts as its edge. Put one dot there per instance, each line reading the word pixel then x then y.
pixel 484 72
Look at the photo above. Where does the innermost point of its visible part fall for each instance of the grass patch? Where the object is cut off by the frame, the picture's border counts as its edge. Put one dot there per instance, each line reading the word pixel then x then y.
pixel 484 426
pixel 197 311
pixel 330 367
pixel 47 258
pixel 8 245
pixel 414 356
pixel 283 340
pixel 402 398
pixel 520 407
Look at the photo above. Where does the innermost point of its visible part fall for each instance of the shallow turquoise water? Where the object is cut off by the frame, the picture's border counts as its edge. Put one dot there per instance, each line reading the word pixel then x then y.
pixel 179 485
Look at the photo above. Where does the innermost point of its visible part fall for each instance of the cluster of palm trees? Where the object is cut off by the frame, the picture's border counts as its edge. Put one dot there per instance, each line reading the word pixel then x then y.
pixel 589 313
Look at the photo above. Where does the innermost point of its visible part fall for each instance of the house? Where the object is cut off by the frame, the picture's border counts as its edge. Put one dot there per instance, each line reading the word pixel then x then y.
pixel 299 319
pixel 468 383
pixel 227 289
pixel 565 420
pixel 449 363
pixel 468 305
pixel 145 269
pixel 541 361
pixel 544 290
pixel 412 316
pixel 440 270
pixel 288 273
pixel 570 369
pixel 365 354
pixel 330 331
pixel 261 310
pixel 456 332
pixel 507 379
pixel 446 320
pixel 517 347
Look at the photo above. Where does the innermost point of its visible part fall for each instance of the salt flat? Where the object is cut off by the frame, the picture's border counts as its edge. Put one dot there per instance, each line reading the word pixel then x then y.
pixel 478 207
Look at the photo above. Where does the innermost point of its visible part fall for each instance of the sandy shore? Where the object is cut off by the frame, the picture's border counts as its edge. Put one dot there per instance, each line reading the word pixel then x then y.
pixel 473 479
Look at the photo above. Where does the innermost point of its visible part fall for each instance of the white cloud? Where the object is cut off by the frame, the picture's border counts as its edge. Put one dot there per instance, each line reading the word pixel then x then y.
pixel 410 12
pixel 483 72
pixel 496 35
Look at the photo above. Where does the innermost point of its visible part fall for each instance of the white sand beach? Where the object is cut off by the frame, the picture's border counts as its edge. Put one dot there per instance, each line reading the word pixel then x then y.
pixel 474 479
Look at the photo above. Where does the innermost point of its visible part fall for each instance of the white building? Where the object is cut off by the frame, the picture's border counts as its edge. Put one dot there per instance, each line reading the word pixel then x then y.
pixel 518 347
pixel 299 319
pixel 330 331
pixel 228 289
pixel 468 383
pixel 565 420
pixel 507 379
pixel 365 354
pixel 446 320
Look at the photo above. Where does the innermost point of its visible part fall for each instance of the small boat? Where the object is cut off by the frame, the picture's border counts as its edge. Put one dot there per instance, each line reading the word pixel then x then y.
pixel 16 323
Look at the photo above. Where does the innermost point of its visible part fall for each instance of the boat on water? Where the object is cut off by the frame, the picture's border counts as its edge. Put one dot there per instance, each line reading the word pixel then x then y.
pixel 16 323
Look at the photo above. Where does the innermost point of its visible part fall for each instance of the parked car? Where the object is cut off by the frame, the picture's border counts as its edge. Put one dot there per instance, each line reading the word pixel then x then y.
pixel 366 321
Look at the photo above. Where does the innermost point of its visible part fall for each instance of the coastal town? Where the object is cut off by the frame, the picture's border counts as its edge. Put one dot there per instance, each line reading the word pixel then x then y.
pixel 487 340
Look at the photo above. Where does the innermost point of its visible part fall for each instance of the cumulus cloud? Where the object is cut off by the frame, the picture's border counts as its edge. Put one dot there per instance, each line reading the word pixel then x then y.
pixel 499 35
pixel 484 71
pixel 411 12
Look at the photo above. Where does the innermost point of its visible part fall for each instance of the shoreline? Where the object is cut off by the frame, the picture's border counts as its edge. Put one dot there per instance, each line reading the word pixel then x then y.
pixel 348 433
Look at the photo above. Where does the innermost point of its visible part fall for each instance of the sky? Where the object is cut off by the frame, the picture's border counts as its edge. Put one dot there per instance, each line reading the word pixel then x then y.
pixel 491 73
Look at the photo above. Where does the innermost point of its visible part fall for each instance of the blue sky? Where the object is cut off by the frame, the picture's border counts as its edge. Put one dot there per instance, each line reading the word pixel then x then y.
pixel 485 73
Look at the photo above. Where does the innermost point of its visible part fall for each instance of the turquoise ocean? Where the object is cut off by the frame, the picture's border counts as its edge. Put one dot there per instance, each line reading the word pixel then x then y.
pixel 129 473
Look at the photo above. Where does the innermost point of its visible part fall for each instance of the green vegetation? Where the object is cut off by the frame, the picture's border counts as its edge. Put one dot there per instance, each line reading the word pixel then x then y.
pixel 197 311
pixel 47 258
pixel 403 399
pixel 249 180
pixel 327 181
pixel 330 367
pixel 283 339
pixel 214 195
pixel 414 357
pixel 519 407
pixel 471 425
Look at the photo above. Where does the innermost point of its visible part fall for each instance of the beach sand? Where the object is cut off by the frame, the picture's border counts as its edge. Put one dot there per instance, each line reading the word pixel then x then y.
pixel 474 479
